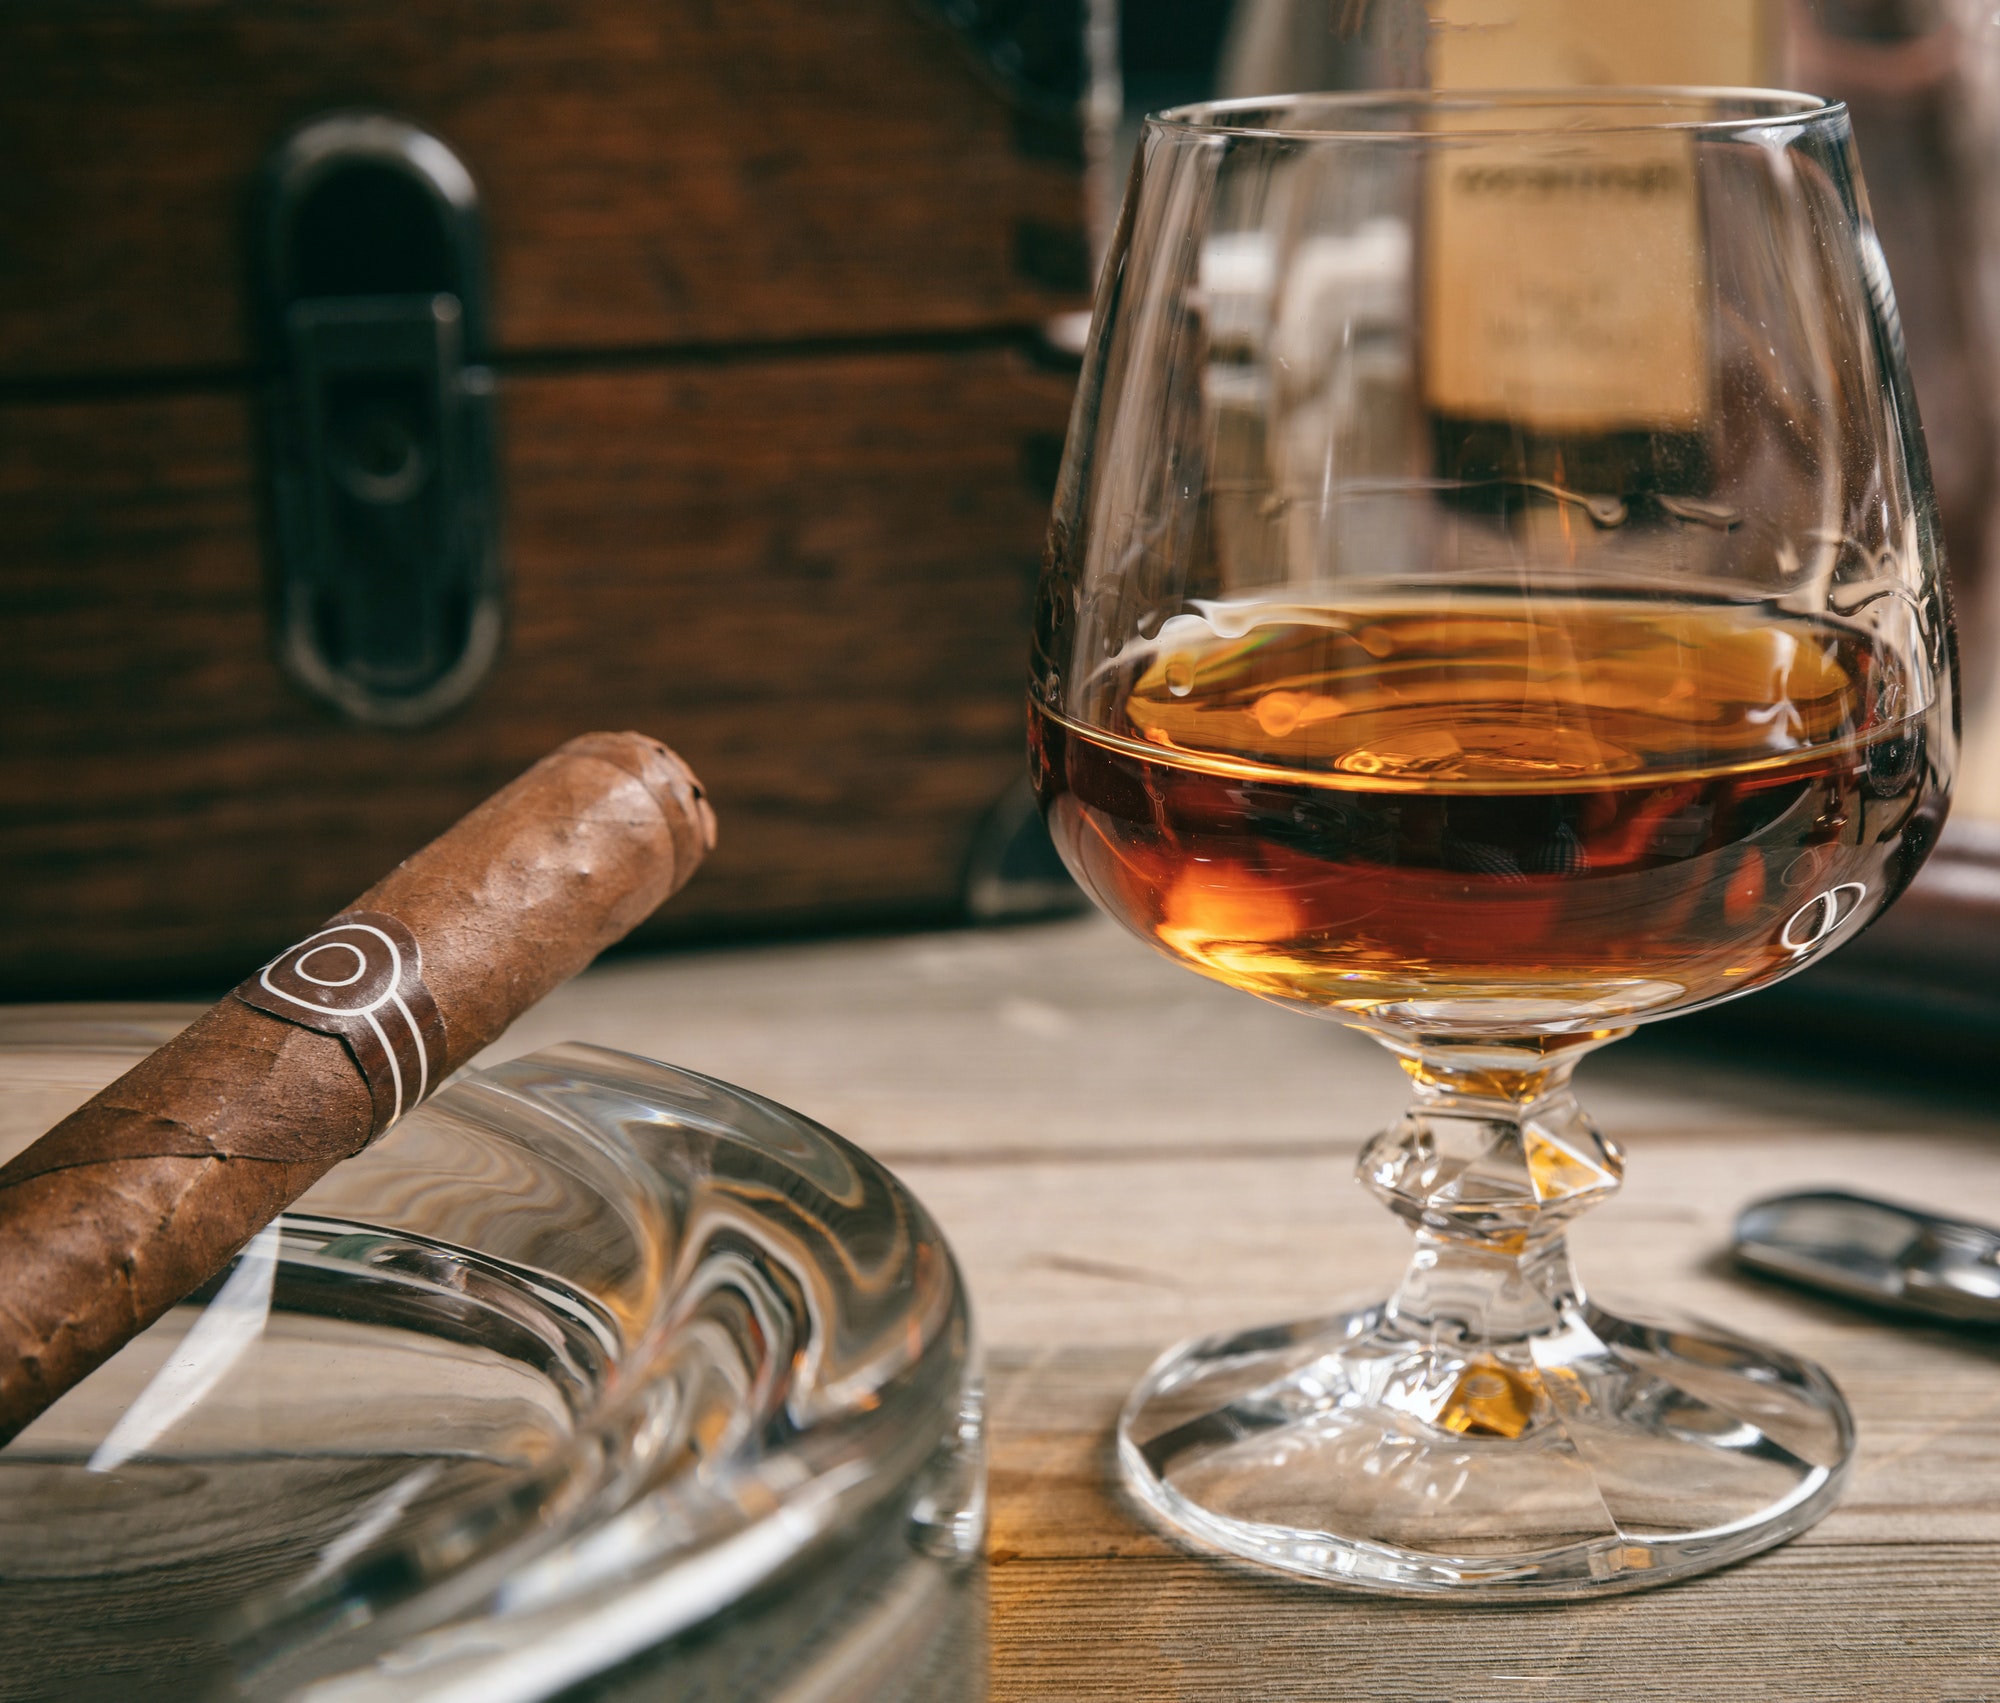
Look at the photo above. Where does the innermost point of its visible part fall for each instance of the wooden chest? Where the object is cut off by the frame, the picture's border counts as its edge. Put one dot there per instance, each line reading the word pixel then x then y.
pixel 773 438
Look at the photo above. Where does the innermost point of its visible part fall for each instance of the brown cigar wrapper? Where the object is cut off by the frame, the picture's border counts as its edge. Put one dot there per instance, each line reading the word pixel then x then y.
pixel 148 1190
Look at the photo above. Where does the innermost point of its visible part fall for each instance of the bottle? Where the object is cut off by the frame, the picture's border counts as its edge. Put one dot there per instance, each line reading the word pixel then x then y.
pixel 1921 79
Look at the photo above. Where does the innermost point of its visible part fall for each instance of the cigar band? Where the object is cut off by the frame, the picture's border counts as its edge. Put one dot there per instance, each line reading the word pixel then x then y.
pixel 361 978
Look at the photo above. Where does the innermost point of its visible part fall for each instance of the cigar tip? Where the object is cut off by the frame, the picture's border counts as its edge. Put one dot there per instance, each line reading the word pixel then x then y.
pixel 664 773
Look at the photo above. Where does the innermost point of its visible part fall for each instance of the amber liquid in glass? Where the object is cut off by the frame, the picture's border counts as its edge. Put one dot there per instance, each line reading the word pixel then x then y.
pixel 1485 809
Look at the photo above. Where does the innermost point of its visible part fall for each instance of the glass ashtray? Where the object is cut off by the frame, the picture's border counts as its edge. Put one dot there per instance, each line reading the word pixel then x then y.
pixel 593 1378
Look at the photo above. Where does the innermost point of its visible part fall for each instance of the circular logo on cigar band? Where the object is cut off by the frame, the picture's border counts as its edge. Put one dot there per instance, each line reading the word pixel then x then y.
pixel 310 974
pixel 360 978
pixel 331 950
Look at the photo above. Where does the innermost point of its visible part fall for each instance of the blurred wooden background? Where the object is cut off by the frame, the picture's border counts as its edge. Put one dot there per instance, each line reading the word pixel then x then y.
pixel 778 430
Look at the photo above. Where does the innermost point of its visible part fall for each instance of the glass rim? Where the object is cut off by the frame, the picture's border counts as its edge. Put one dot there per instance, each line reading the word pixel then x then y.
pixel 1211 118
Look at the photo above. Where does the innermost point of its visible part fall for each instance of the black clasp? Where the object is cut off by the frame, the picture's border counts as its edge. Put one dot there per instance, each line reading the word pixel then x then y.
pixel 388 592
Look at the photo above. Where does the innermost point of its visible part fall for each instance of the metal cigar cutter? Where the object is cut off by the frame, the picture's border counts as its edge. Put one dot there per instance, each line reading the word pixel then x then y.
pixel 1875 1251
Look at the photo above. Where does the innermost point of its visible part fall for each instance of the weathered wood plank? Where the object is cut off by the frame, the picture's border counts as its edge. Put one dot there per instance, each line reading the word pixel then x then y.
pixel 1877 1622
pixel 1927 1470
pixel 653 174
pixel 1144 1250
pixel 1071 1042
pixel 812 575
pixel 1080 1118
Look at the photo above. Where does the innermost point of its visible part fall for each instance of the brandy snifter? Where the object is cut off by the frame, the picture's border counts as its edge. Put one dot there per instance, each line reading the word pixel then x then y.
pixel 1493 601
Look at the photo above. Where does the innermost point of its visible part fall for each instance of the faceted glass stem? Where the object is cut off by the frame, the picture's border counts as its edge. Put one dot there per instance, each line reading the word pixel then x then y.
pixel 1488 1167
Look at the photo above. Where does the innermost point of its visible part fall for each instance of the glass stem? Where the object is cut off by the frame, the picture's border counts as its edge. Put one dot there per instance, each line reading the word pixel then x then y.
pixel 1488 1166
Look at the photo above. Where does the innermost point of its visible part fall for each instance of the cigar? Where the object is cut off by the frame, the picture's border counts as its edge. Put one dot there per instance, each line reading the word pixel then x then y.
pixel 142 1195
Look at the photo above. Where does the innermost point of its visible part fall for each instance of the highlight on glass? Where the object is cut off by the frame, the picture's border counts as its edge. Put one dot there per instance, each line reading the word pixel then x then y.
pixel 1493 601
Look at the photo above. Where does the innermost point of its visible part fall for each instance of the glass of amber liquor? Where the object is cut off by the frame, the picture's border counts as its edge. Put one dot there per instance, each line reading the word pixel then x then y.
pixel 1493 601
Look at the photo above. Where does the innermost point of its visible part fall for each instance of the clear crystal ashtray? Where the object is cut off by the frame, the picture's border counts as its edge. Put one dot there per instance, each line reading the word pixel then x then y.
pixel 593 1378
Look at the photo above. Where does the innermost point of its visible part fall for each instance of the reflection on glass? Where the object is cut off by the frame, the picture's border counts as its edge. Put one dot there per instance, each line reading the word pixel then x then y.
pixel 1493 600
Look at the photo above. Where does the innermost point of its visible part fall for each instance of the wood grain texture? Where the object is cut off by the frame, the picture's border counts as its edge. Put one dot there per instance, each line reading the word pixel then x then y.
pixel 653 173
pixel 1067 1049
pixel 725 519
pixel 811 575
pixel 1123 1154
pixel 1878 1622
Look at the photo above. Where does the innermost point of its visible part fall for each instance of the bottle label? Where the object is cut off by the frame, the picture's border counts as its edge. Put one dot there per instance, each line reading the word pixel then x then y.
pixel 1565 283
pixel 1558 44
pixel 1567 280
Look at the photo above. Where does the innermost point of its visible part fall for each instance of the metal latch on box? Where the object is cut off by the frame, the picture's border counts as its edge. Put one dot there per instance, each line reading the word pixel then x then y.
pixel 387 588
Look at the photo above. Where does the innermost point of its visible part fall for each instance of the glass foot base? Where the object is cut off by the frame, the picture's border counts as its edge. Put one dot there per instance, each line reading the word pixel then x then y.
pixel 1603 1455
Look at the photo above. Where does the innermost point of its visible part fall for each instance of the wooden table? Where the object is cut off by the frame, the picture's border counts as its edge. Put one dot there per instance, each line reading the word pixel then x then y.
pixel 1123 1154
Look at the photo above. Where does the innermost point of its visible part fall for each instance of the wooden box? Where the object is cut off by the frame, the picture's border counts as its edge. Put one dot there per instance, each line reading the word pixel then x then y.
pixel 774 449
